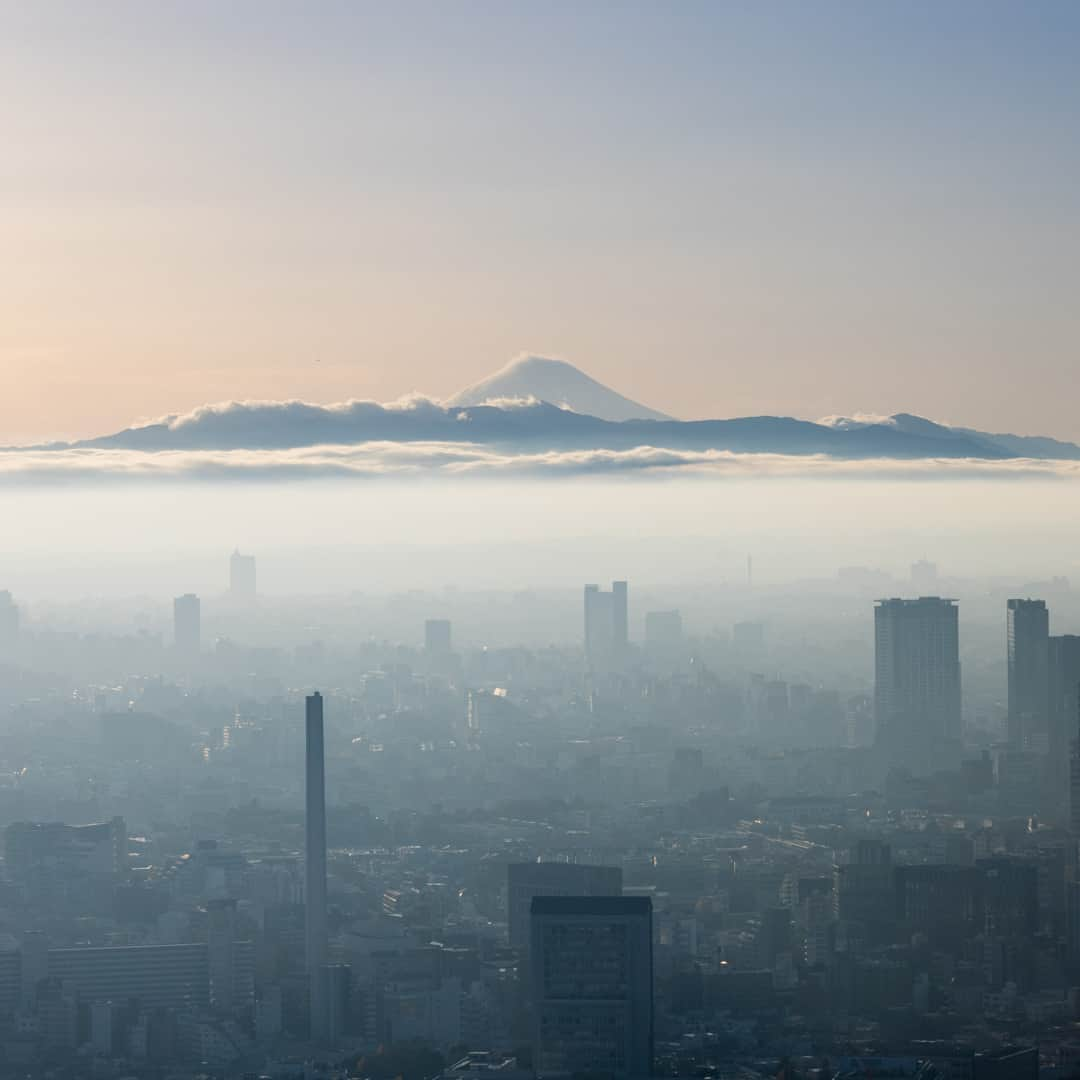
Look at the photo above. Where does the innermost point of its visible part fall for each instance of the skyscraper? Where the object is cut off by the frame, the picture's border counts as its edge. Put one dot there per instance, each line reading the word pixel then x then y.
pixel 231 962
pixel 187 624
pixel 315 938
pixel 592 985
pixel 1027 642
pixel 1063 720
pixel 242 576
pixel 916 677
pixel 1063 681
pixel 606 623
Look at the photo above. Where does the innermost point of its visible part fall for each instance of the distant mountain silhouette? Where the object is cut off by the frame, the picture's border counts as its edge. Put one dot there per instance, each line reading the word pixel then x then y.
pixel 521 415
pixel 557 383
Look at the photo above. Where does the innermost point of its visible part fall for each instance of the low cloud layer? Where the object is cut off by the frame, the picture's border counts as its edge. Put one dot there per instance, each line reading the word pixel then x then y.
pixel 372 460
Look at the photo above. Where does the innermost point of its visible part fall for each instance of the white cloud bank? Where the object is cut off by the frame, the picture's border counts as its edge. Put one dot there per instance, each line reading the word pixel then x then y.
pixel 457 459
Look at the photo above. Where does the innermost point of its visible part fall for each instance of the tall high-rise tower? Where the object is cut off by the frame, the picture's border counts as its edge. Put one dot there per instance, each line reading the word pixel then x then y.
pixel 1028 654
pixel 916 676
pixel 242 576
pixel 187 624
pixel 606 623
pixel 315 864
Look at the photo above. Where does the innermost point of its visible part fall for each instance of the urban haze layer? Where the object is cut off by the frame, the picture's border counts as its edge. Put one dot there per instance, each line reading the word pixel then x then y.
pixel 819 828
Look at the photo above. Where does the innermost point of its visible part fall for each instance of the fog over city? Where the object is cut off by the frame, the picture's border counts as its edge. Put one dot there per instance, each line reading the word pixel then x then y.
pixel 539 541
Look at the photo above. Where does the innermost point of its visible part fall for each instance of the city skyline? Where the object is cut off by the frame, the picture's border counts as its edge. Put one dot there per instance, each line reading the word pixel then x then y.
pixel 652 427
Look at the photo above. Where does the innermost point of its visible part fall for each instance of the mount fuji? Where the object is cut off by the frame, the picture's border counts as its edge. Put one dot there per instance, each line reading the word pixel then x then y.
pixel 535 406
pixel 558 383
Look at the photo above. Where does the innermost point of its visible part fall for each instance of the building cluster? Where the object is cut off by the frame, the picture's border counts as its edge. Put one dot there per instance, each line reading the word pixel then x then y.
pixel 654 850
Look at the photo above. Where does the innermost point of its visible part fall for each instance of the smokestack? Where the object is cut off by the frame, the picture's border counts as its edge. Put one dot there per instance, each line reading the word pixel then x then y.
pixel 315 862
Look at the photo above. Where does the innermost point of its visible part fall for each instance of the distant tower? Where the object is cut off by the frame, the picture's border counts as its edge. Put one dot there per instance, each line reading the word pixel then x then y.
pixel 9 623
pixel 315 864
pixel 606 622
pixel 1064 705
pixel 187 624
pixel 916 676
pixel 242 576
pixel 437 637
pixel 1029 680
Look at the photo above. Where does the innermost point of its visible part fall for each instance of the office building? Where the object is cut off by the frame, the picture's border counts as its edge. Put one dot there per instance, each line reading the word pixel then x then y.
pixel 526 881
pixel 916 678
pixel 1063 704
pixel 187 624
pixel 242 576
pixel 336 980
pixel 231 968
pixel 167 976
pixel 315 932
pixel 68 850
pixel 606 623
pixel 437 639
pixel 9 624
pixel 592 985
pixel 1027 637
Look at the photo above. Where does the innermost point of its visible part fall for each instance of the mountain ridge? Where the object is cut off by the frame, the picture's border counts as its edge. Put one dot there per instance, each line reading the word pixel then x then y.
pixel 525 420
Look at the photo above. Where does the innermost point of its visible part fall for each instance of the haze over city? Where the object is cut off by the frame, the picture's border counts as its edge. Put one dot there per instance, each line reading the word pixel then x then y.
pixel 539 541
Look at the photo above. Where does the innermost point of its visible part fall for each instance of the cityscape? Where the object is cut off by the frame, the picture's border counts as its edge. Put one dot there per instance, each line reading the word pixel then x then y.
pixel 539 540
pixel 652 848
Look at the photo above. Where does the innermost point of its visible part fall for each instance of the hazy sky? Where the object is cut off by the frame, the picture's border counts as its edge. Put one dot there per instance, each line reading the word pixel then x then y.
pixel 719 208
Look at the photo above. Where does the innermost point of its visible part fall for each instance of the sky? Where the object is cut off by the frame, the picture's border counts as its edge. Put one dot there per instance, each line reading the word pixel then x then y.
pixel 719 209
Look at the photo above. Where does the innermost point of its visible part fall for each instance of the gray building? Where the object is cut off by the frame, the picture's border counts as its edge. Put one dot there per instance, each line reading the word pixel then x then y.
pixel 592 985
pixel 168 976
pixel 606 623
pixel 916 678
pixel 187 624
pixel 242 581
pixel 526 881
pixel 1063 706
pixel 1027 644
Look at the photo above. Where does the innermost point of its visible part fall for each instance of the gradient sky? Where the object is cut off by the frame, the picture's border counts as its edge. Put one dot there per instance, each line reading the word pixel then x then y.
pixel 719 208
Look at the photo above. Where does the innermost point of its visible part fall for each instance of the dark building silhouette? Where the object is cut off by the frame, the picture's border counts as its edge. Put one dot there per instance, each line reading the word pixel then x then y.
pixel 1028 633
pixel 916 678
pixel 1063 705
pixel 315 936
pixel 592 985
